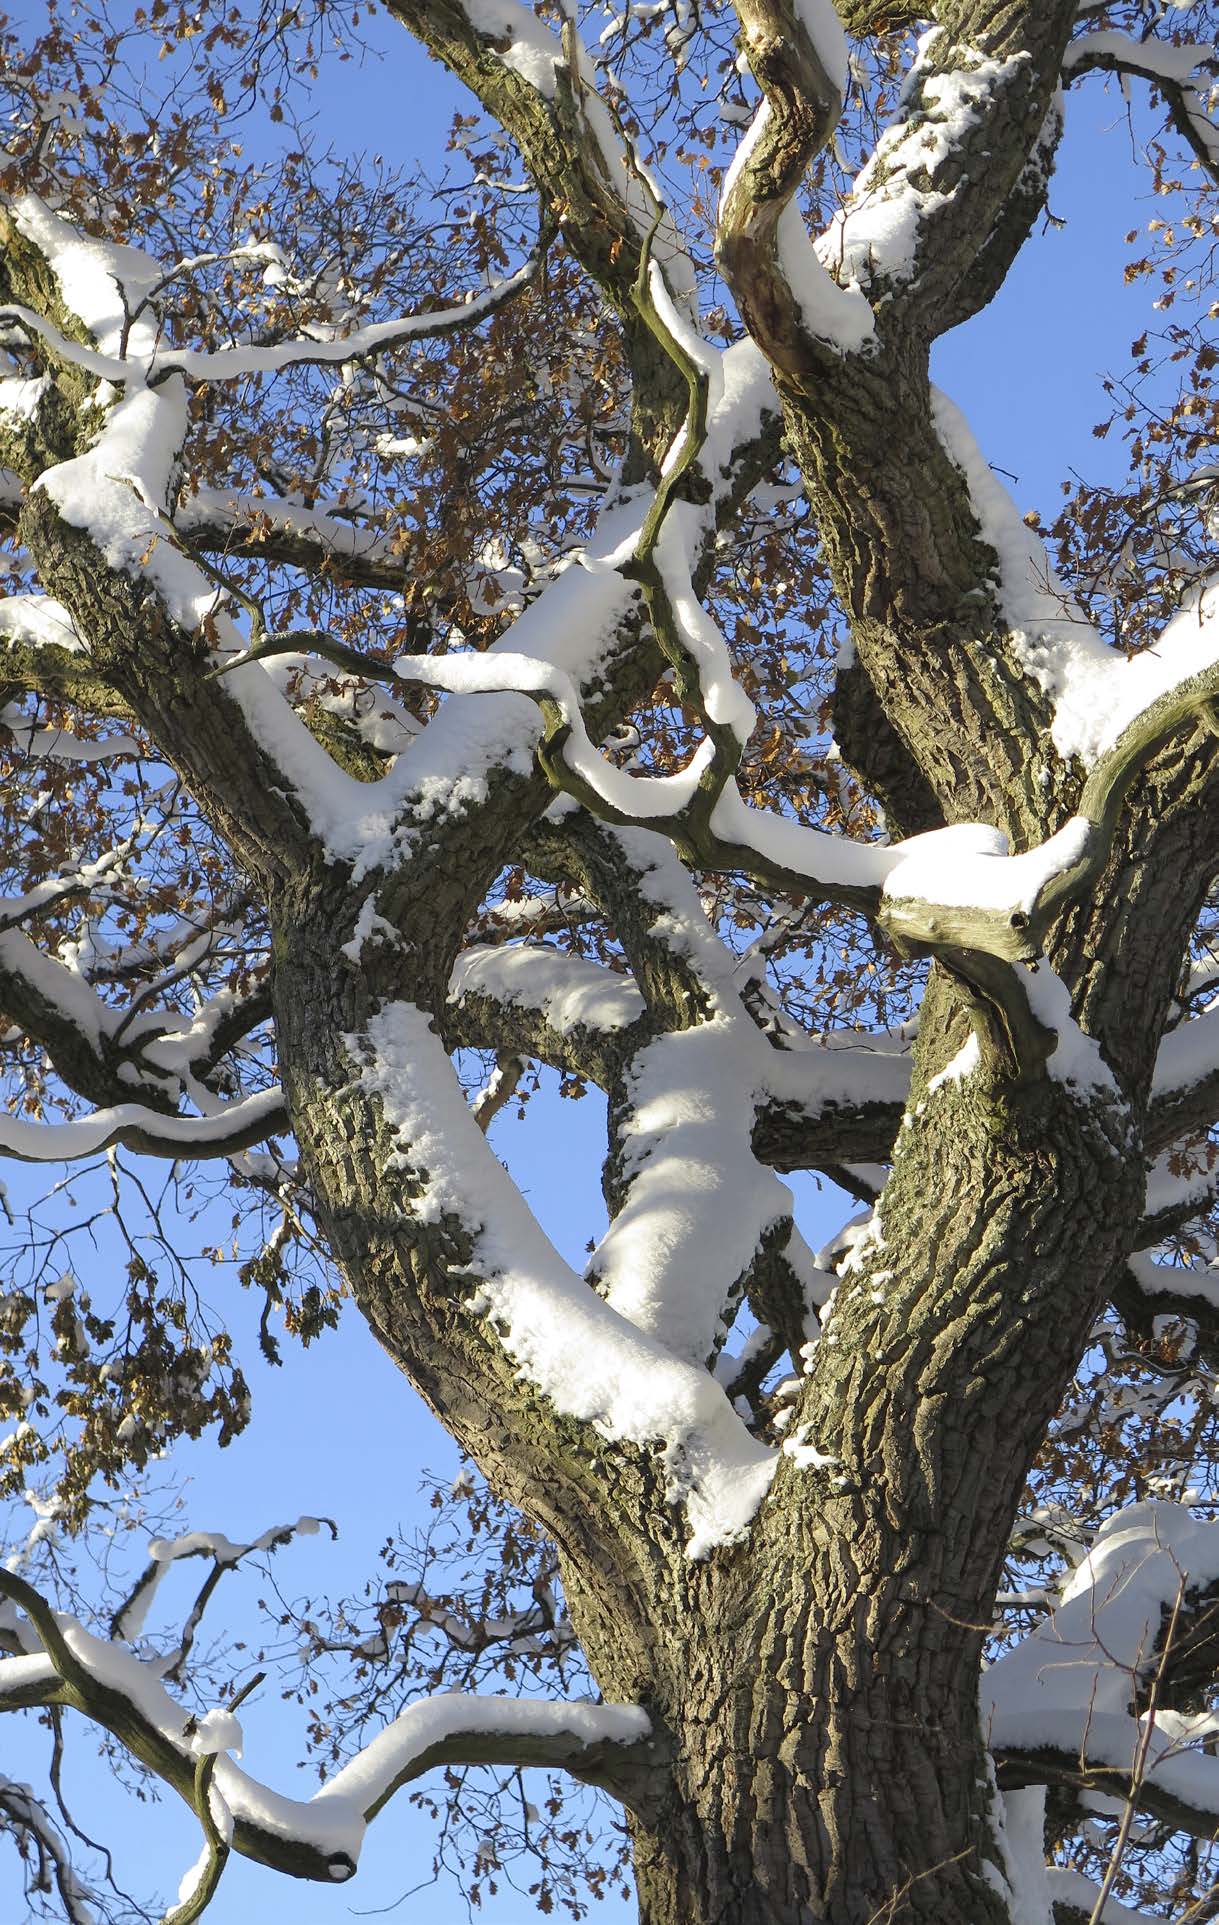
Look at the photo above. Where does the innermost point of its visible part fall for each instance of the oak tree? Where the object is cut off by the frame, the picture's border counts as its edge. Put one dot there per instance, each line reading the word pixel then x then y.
pixel 547 616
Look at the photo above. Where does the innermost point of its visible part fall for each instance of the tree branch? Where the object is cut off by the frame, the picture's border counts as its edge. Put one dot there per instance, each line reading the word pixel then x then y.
pixel 608 1745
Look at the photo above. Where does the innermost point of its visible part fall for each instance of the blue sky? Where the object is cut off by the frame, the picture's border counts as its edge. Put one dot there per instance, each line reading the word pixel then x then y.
pixel 338 1432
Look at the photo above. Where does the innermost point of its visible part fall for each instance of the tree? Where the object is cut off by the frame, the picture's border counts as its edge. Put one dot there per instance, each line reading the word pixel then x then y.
pixel 341 755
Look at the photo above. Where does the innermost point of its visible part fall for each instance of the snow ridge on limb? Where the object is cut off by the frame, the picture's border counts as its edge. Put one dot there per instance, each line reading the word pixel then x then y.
pixel 527 999
pixel 230 364
pixel 567 992
pixel 135 1065
pixel 119 494
pixel 232 1127
pixel 1172 70
pixel 317 1838
pixel 163 1553
pixel 1056 1706
pixel 1099 695
pixel 955 888
pixel 791 304
pixel 563 643
pixel 813 1096
pixel 875 242
pixel 694 1207
pixel 24 1815
pixel 583 1356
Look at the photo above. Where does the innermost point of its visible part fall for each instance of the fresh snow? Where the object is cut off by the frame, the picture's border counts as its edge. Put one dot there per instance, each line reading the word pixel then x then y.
pixel 698 1203
pixel 577 1351
pixel 963 1064
pixel 840 315
pixel 1150 56
pixel 1068 1685
pixel 1075 1058
pixel 1175 1280
pixel 217 1730
pixel 372 1774
pixel 875 237
pixel 820 21
pixel 968 865
pixel 1095 691
pixel 175 1136
pixel 38 621
pixel 333 1821
pixel 1187 1055
pixel 568 992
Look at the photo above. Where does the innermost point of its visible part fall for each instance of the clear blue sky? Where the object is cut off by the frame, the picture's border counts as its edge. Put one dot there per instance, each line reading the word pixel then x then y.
pixel 338 1432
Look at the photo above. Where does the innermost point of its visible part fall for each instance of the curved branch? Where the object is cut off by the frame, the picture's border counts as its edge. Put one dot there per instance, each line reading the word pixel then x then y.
pixel 236 1126
pixel 534 1001
pixel 1168 68
pixel 611 1746
pixel 792 307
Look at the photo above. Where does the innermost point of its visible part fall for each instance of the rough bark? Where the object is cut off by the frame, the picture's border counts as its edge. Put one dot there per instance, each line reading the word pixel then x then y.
pixel 813 1688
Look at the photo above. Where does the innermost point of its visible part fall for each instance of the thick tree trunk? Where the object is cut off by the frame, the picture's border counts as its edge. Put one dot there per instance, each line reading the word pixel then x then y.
pixel 821 1782
pixel 814 1689
pixel 821 1683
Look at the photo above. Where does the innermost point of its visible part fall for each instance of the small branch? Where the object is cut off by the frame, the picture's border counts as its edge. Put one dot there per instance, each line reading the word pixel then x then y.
pixel 238 1126
pixel 216 1843
pixel 1168 68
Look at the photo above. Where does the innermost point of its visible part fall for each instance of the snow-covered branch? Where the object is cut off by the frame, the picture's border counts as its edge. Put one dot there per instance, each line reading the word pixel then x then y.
pixel 1185 1089
pixel 213 519
pixel 790 301
pixel 1140 1608
pixel 156 363
pixel 1180 1187
pixel 42 1843
pixel 318 1838
pixel 921 179
pixel 581 1353
pixel 1173 70
pixel 540 1002
pixel 231 1127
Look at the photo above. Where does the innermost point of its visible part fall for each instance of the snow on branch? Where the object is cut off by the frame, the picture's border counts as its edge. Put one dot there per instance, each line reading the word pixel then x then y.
pixel 1179 1188
pixel 957 886
pixel 151 366
pixel 791 303
pixel 1075 1899
pixel 573 1347
pixel 163 1553
pixel 533 1000
pixel 567 992
pixel 1056 1708
pixel 61 745
pixel 1100 698
pixel 232 1127
pixel 38 621
pixel 696 1209
pixel 574 628
pixel 319 1838
pixel 120 493
pixel 1185 1085
pixel 288 531
pixel 1172 69
pixel 876 243
pixel 1185 1289
pixel 40 1839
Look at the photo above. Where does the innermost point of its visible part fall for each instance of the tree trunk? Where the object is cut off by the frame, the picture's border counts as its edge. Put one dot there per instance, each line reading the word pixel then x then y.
pixel 824 1782
pixel 821 1684
pixel 815 1689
